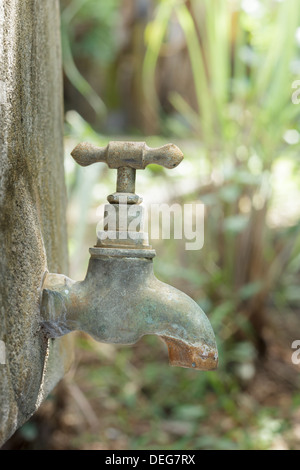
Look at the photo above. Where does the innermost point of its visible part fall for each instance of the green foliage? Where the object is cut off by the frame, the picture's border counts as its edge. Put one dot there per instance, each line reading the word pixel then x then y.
pixel 241 65
pixel 97 42
pixel 92 28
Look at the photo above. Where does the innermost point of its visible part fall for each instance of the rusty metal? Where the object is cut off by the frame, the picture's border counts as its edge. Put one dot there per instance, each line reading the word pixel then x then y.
pixel 183 354
pixel 120 299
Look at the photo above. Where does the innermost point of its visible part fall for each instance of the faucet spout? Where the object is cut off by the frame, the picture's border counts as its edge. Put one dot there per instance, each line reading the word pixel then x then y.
pixel 121 300
pixel 184 327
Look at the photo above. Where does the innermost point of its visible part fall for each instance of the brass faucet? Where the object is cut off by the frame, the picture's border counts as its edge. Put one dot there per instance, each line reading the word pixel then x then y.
pixel 120 300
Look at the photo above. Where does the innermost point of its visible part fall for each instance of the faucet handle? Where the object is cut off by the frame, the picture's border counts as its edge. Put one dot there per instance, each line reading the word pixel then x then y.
pixel 127 157
pixel 136 155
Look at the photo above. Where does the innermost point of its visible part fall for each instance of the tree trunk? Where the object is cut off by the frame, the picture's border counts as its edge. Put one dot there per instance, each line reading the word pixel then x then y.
pixel 32 204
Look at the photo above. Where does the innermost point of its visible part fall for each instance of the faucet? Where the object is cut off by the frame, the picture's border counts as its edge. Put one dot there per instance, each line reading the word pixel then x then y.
pixel 120 300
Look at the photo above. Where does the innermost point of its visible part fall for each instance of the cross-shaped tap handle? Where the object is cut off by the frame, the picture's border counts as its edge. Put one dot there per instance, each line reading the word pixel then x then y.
pixel 135 155
pixel 127 157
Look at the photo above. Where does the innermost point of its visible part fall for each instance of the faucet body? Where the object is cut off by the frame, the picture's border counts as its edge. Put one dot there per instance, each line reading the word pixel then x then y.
pixel 120 300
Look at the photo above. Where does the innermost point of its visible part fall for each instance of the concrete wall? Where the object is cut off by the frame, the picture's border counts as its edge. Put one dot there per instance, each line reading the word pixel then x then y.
pixel 32 204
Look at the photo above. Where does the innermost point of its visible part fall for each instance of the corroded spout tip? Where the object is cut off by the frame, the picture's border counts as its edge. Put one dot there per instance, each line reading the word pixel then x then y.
pixel 182 354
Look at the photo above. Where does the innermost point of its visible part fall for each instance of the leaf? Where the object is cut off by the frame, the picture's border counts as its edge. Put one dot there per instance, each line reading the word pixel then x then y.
pixel 236 223
pixel 190 412
pixel 241 352
pixel 221 312
pixel 230 193
pixel 250 290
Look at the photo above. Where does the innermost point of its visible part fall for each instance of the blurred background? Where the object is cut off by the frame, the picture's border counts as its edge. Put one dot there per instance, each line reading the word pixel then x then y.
pixel 218 78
